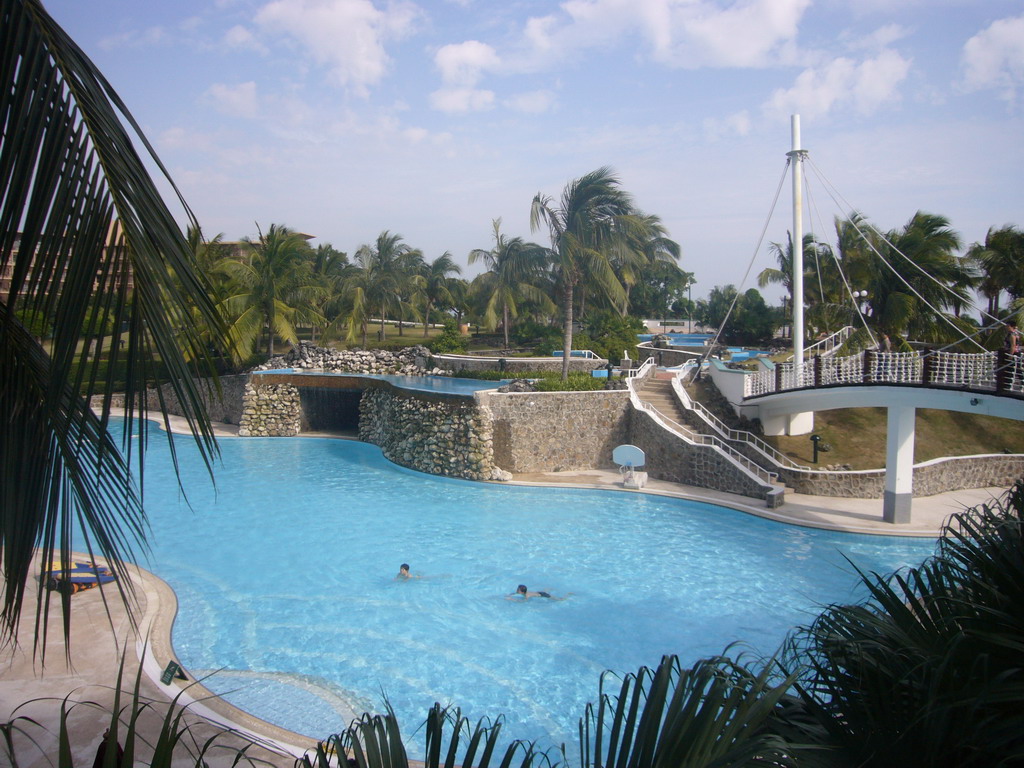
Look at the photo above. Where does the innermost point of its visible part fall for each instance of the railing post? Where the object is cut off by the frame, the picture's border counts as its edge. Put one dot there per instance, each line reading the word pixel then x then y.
pixel 1002 371
pixel 817 370
pixel 778 377
pixel 927 367
pixel 869 357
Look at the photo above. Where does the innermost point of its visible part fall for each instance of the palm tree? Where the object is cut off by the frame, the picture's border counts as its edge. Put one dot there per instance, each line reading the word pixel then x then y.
pixel 434 285
pixel 84 235
pixel 378 286
pixel 650 248
pixel 594 218
pixel 330 269
pixel 409 267
pixel 273 289
pixel 1000 260
pixel 514 268
pixel 914 276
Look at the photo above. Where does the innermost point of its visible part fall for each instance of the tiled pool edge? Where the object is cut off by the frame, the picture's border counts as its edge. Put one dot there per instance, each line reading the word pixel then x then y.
pixel 154 649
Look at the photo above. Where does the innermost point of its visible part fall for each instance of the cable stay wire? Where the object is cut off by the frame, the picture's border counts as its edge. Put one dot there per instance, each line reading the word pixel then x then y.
pixel 812 206
pixel 833 193
pixel 746 274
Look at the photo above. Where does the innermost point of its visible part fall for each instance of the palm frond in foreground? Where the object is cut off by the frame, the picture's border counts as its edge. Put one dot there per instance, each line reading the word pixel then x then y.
pixel 93 251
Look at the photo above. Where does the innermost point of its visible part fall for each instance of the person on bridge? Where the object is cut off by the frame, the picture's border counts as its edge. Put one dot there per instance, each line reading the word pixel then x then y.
pixel 1012 341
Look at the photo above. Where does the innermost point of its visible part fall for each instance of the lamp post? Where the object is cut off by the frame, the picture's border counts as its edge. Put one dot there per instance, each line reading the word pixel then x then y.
pixel 689 303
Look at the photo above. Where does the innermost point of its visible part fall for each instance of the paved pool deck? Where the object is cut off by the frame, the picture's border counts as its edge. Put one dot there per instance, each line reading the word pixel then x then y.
pixel 103 631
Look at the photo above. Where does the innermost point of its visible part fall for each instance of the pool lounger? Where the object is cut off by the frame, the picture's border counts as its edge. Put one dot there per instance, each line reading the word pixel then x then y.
pixel 79 577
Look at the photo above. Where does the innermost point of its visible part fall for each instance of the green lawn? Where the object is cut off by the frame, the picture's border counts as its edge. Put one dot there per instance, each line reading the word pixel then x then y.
pixel 857 437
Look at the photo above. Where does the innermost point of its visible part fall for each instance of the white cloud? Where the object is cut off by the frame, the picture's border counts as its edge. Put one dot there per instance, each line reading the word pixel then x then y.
pixel 533 102
pixel 864 86
pixel 135 38
pixel 241 37
pixel 680 33
pixel 461 99
pixel 463 64
pixel 738 124
pixel 881 38
pixel 237 100
pixel 994 58
pixel 347 36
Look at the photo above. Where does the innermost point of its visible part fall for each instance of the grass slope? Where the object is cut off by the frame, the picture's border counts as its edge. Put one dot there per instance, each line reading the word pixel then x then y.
pixel 857 437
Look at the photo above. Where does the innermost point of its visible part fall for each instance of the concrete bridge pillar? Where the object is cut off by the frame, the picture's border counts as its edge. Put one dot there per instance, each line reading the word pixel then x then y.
pixel 899 464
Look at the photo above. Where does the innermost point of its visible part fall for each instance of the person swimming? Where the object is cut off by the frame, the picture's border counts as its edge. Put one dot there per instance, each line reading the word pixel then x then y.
pixel 403 572
pixel 523 592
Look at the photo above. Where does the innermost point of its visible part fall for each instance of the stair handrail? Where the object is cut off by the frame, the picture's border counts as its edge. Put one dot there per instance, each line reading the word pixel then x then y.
pixel 642 371
pixel 829 344
pixel 698 439
pixel 739 435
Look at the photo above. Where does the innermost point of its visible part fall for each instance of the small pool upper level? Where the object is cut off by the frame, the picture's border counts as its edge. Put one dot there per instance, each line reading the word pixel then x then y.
pixel 438 385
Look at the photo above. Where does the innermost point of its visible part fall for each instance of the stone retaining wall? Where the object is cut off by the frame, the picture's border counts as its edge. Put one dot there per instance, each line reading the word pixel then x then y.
pixel 557 431
pixel 270 410
pixel 456 363
pixel 442 436
pixel 671 458
pixel 951 473
pixel 225 407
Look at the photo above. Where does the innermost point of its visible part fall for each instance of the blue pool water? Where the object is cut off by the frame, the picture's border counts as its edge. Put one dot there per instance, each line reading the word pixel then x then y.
pixel 285 580
pixel 450 384
pixel 680 339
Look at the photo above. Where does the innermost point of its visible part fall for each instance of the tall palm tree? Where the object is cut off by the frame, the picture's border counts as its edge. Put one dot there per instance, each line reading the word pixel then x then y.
pixel 378 287
pixel 1000 260
pixel 514 268
pixel 914 277
pixel 593 219
pixel 409 268
pixel 434 285
pixel 273 290
pixel 84 235
pixel 330 269
pixel 650 246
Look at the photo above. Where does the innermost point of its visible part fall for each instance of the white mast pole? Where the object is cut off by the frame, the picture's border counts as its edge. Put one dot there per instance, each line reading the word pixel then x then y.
pixel 797 155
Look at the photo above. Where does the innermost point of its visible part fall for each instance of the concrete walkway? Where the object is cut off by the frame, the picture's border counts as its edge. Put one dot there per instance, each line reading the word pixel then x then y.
pixel 102 629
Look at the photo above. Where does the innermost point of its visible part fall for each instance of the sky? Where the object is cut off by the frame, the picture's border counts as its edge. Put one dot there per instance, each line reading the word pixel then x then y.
pixel 344 118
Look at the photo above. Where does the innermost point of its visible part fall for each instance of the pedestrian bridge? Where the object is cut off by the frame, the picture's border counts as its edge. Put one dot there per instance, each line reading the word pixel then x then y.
pixel 986 383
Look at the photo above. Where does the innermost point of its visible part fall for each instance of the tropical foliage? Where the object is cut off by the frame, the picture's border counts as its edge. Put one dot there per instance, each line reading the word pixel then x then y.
pixel 597 237
pixel 90 246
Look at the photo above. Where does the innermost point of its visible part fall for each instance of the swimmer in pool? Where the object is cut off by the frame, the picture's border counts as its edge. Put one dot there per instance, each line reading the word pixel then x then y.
pixel 525 594
pixel 403 573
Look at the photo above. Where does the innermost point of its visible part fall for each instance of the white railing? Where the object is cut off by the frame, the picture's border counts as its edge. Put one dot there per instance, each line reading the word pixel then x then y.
pixel 689 435
pixel 645 368
pixel 738 435
pixel 981 371
pixel 977 371
pixel 827 347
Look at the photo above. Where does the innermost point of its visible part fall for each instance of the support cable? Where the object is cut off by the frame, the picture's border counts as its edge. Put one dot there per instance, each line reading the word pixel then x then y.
pixel 757 248
pixel 885 261
pixel 839 267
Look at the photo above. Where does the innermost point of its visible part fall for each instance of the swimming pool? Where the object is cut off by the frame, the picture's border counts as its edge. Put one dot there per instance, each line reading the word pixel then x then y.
pixel 448 384
pixel 285 580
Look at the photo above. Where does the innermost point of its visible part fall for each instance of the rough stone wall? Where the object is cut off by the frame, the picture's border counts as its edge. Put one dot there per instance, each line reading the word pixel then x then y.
pixel 456 363
pixel 410 361
pixel 449 437
pixel 952 473
pixel 671 458
pixel 557 431
pixel 270 410
pixel 226 408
